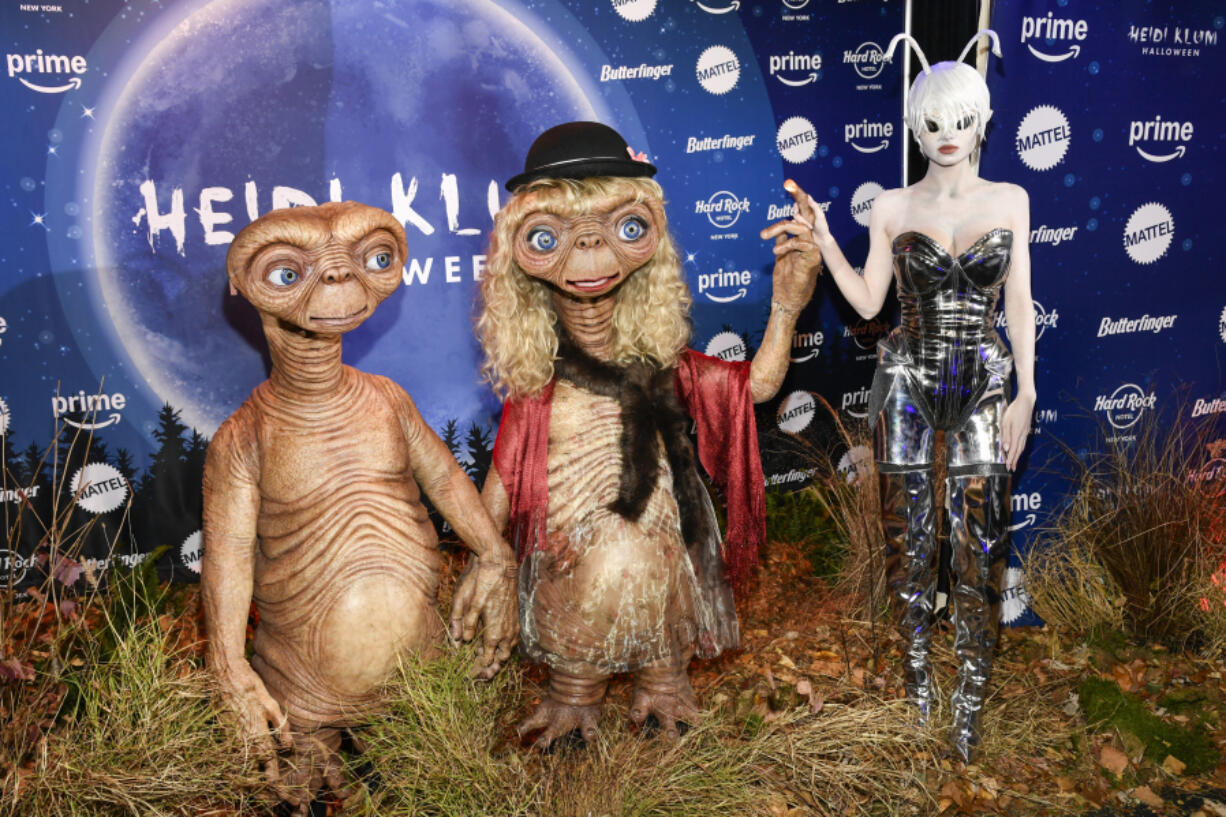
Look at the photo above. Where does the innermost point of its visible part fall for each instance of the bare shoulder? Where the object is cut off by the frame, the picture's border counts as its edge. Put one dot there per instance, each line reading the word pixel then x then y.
pixel 892 199
pixel 888 205
pixel 1010 194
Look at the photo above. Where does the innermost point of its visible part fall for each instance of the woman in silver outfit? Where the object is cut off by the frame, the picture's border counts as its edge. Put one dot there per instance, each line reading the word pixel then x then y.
pixel 952 241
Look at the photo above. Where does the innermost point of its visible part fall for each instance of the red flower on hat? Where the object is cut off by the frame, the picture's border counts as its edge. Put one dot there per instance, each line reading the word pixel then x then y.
pixel 638 157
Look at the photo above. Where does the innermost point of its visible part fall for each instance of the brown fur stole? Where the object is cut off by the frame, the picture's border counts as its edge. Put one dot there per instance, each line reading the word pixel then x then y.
pixel 650 412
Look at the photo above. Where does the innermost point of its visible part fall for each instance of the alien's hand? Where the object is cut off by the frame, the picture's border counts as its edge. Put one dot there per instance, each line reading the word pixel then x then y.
pixel 798 261
pixel 488 591
pixel 260 719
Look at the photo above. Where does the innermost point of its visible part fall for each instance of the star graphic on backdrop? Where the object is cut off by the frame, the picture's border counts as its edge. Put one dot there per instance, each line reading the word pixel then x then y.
pixel 87 113
pixel 39 219
pixel 690 257
pixel 53 150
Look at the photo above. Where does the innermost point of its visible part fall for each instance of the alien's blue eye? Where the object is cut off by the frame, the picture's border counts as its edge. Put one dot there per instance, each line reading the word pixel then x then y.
pixel 632 229
pixel 283 277
pixel 542 240
pixel 378 261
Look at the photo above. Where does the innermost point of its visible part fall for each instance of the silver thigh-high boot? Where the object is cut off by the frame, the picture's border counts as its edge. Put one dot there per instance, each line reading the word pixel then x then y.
pixel 979 540
pixel 911 569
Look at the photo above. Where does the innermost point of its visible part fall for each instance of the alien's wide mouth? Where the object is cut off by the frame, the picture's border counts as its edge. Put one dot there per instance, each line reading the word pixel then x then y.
pixel 339 320
pixel 948 149
pixel 592 285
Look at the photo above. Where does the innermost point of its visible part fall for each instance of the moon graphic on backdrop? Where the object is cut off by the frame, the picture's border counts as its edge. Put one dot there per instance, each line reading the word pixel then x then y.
pixel 247 95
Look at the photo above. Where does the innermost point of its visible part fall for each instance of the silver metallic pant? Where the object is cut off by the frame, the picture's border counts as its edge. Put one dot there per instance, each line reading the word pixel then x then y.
pixel 909 412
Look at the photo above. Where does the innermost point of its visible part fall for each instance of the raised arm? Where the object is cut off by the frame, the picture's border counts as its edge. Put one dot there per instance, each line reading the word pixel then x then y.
pixel 227 577
pixel 866 293
pixel 492 592
pixel 1019 312
pixel 798 262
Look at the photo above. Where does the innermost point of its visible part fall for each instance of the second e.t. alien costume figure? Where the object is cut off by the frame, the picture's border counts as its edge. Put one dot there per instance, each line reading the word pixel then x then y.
pixel 953 242
pixel 584 322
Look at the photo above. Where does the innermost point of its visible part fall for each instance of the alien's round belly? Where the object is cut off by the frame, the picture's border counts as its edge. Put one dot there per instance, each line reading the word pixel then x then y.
pixel 370 622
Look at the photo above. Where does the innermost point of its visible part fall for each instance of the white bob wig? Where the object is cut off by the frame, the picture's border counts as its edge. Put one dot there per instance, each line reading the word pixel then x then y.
pixel 949 91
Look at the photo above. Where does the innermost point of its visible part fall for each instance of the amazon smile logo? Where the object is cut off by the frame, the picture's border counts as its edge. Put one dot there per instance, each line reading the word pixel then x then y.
pixel 800 69
pixel 733 284
pixel 98 410
pixel 1057 36
pixel 1025 508
pixel 44 73
pixel 717 7
pixel 868 137
pixel 1166 139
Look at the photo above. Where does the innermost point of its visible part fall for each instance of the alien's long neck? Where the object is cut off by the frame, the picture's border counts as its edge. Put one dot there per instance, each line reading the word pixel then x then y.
pixel 589 322
pixel 304 365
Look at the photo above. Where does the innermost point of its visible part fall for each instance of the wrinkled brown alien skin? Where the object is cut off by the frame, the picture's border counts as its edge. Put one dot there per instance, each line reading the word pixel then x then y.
pixel 312 505
pixel 591 248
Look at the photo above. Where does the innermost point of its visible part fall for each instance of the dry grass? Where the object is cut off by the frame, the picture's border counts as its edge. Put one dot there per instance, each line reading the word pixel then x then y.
pixel 104 706
pixel 851 498
pixel 448 748
pixel 138 736
pixel 1138 545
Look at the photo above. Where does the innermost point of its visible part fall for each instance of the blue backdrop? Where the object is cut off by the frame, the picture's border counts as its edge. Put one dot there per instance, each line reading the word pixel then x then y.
pixel 148 134
pixel 1111 115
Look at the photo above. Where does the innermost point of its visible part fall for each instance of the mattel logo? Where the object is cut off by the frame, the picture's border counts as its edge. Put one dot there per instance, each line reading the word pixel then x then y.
pixel 1148 233
pixel 796 412
pixel 1156 130
pixel 39 65
pixel 634 11
pixel 718 69
pixel 1043 138
pixel 1056 33
pixel 727 345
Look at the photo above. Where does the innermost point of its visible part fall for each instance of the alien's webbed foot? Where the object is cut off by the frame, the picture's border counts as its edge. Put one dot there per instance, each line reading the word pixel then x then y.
pixel 664 692
pixel 572 704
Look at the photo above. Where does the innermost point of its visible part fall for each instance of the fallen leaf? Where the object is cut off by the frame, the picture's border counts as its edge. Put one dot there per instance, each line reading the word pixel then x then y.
pixel 1214 807
pixel 1065 784
pixel 1146 795
pixel 1113 760
pixel 1174 765
pixel 952 793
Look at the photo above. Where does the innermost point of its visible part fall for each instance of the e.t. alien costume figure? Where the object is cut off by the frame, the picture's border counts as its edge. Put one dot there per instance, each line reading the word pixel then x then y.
pixel 584 322
pixel 312 504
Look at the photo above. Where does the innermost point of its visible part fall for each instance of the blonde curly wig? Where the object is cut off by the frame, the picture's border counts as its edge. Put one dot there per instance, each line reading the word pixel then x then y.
pixel 516 324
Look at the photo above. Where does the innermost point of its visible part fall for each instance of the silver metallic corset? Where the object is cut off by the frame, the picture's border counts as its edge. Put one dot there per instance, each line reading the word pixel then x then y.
pixel 948 305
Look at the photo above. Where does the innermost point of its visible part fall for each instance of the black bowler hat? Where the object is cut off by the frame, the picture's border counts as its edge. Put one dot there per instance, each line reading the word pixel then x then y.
pixel 577 150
